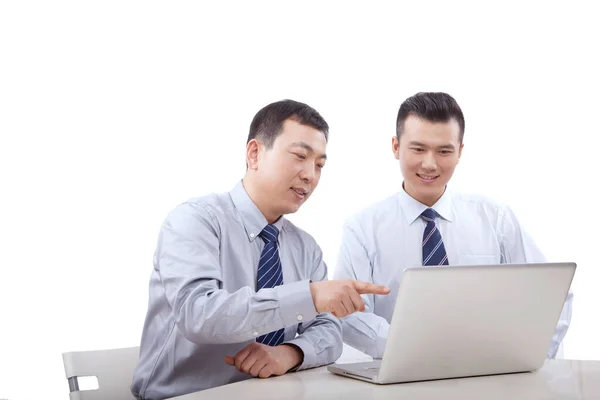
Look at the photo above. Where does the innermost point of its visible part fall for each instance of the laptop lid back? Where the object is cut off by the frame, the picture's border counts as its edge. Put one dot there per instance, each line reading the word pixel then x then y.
pixel 456 321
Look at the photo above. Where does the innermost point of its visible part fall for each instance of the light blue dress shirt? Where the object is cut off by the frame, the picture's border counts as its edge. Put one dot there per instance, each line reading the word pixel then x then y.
pixel 203 303
pixel 383 239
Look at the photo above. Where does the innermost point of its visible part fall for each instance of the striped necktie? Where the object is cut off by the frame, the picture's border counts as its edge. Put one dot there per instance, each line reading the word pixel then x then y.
pixel 434 252
pixel 270 275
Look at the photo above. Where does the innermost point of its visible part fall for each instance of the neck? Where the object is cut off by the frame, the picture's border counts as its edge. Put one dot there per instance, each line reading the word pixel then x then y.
pixel 259 200
pixel 429 201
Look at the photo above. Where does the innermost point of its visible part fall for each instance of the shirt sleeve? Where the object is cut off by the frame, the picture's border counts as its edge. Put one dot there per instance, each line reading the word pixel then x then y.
pixel 191 278
pixel 517 246
pixel 364 331
pixel 319 339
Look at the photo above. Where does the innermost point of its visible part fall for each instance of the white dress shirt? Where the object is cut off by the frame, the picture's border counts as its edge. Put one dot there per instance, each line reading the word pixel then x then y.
pixel 383 239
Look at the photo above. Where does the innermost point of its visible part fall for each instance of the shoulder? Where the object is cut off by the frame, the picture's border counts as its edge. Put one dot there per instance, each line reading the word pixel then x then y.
pixel 373 213
pixel 208 209
pixel 463 201
pixel 298 237
pixel 478 207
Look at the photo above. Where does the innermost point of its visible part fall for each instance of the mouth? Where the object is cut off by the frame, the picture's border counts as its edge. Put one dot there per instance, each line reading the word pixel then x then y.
pixel 300 193
pixel 428 178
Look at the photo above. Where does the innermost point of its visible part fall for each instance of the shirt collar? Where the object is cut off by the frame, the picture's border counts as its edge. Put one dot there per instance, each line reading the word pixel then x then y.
pixel 252 219
pixel 412 208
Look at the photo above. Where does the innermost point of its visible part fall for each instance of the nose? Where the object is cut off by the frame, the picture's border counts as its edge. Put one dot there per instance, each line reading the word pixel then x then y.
pixel 308 173
pixel 428 163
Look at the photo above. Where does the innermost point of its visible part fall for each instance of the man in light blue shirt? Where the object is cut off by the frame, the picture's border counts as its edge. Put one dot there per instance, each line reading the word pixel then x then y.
pixel 426 223
pixel 238 291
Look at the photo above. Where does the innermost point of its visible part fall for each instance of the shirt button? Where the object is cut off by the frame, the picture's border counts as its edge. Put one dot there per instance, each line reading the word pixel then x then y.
pixel 252 235
pixel 299 317
pixel 255 334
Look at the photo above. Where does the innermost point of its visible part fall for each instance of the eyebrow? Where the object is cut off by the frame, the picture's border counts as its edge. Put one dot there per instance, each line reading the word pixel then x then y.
pixel 445 146
pixel 308 148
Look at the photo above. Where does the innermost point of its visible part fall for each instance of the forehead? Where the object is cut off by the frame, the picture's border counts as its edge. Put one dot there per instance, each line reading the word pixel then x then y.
pixel 434 133
pixel 294 132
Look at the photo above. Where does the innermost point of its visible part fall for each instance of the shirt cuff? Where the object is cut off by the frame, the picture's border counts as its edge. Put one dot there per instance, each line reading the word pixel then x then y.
pixel 308 348
pixel 296 302
pixel 367 335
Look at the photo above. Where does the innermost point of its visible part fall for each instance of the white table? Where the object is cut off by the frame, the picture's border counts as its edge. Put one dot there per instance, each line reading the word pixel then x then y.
pixel 558 379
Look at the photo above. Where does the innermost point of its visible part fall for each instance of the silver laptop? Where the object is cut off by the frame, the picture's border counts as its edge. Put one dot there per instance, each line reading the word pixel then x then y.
pixel 460 321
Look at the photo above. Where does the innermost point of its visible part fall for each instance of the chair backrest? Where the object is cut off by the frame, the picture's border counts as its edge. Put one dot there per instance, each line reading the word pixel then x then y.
pixel 113 368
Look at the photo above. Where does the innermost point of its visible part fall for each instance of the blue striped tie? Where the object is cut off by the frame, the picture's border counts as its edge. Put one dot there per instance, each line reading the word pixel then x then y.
pixel 434 252
pixel 270 275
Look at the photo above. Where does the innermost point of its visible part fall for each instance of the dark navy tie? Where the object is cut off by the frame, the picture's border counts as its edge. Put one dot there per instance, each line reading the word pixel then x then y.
pixel 434 252
pixel 270 275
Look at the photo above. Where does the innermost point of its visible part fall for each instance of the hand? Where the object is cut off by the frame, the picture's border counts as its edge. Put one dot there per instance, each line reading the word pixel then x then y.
pixel 260 360
pixel 342 298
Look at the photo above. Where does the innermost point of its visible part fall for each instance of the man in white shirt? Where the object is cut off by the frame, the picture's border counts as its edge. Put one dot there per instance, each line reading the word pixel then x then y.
pixel 426 223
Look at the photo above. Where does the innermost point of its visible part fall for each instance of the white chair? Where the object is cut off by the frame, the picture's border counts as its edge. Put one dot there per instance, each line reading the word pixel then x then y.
pixel 113 368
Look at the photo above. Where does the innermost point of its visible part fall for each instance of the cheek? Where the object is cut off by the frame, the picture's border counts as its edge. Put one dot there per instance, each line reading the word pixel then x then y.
pixel 280 164
pixel 317 178
pixel 447 165
pixel 285 171
pixel 290 170
pixel 409 162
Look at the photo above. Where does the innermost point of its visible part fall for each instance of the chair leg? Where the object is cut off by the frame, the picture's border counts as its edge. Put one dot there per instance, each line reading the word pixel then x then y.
pixel 73 384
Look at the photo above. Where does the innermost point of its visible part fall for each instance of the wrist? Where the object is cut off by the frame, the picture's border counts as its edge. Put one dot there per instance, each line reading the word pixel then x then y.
pixel 294 356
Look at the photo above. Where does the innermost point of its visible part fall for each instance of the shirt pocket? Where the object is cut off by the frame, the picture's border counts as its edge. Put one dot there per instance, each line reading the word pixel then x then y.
pixel 478 259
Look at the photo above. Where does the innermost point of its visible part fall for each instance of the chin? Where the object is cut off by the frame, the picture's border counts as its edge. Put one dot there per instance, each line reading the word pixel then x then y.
pixel 292 209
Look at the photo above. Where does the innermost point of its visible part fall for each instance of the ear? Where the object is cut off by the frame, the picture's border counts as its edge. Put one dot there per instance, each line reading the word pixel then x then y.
pixel 396 147
pixel 253 149
pixel 460 149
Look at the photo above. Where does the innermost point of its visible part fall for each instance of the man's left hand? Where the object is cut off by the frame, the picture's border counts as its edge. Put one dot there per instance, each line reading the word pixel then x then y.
pixel 260 360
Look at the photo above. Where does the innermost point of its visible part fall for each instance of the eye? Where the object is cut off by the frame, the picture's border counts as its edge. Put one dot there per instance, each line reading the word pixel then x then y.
pixel 320 166
pixel 300 156
pixel 417 149
pixel 445 152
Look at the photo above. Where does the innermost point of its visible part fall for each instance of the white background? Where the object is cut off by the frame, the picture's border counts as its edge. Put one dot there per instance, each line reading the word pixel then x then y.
pixel 112 113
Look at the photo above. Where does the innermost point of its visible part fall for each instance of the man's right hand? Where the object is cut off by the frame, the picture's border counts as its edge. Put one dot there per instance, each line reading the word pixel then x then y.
pixel 342 298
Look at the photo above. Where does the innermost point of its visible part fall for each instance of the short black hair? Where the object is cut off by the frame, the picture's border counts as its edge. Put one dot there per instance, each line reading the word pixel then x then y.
pixel 432 107
pixel 267 124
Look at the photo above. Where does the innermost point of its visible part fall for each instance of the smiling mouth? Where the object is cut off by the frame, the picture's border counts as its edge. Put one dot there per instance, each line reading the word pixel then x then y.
pixel 300 192
pixel 428 178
